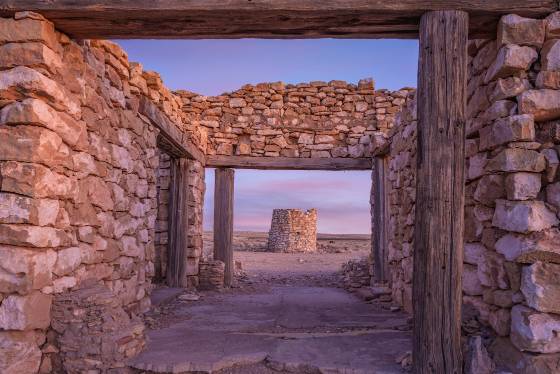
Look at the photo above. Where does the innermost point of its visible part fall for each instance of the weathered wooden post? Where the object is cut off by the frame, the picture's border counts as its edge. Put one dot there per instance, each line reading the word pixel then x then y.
pixel 223 220
pixel 438 252
pixel 380 217
pixel 178 221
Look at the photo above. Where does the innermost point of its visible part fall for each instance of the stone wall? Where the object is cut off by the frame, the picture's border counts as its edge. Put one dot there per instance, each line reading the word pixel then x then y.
pixel 293 230
pixel 78 195
pixel 316 119
pixel 510 281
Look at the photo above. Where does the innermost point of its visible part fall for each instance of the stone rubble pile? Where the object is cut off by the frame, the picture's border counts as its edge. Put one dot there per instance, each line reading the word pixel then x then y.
pixel 356 274
pixel 293 230
pixel 211 275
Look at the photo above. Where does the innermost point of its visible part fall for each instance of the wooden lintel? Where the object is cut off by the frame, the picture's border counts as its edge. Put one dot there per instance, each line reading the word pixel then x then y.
pixel 175 139
pixel 289 163
pixel 202 19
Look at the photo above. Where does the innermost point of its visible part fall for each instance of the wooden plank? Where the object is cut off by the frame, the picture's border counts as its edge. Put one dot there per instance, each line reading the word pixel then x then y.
pixel 380 219
pixel 178 222
pixel 223 220
pixel 438 250
pixel 288 163
pixel 175 141
pixel 201 19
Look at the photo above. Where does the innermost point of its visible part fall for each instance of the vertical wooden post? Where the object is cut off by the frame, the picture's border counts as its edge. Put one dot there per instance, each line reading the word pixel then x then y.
pixel 178 220
pixel 223 220
pixel 438 251
pixel 380 218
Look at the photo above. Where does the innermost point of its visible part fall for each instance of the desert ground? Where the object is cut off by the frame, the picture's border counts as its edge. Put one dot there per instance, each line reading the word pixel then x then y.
pixel 286 313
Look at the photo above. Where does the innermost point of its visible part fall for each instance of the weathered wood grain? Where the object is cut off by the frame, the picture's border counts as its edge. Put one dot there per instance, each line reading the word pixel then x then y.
pixel 438 243
pixel 288 163
pixel 198 19
pixel 172 139
pixel 380 218
pixel 223 220
pixel 178 222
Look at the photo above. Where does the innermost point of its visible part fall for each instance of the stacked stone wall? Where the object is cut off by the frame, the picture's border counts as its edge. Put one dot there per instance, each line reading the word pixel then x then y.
pixel 293 230
pixel 316 119
pixel 511 261
pixel 78 193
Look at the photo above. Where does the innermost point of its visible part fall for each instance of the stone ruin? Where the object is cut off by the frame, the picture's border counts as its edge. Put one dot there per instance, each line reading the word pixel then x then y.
pixel 84 185
pixel 293 230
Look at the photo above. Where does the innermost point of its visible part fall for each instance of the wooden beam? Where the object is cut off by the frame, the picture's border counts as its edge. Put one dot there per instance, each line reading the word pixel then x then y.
pixel 380 219
pixel 438 249
pixel 175 141
pixel 223 221
pixel 178 222
pixel 288 163
pixel 201 19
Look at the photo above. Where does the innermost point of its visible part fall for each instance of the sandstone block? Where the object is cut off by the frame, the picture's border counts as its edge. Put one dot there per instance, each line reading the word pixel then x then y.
pixel 533 331
pixel 22 81
pixel 20 209
pixel 500 321
pixel 33 144
pixel 543 104
pixel 553 26
pixel 68 259
pixel 523 186
pixel 237 102
pixel 35 180
pixel 37 112
pixel 507 88
pixel 505 130
pixel 552 163
pixel 26 312
pixel 476 165
pixel 24 270
pixel 491 271
pixel 489 189
pixel 548 79
pixel 516 159
pixel 33 236
pixel 507 356
pixel 553 194
pixel 511 60
pixel 540 283
pixel 19 351
pixel 550 55
pixel 471 282
pixel 473 253
pixel 513 29
pixel 477 360
pixel 28 30
pixel 35 55
pixel 523 216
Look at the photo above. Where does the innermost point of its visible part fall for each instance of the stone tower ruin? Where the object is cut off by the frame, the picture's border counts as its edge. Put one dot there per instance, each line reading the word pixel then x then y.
pixel 293 230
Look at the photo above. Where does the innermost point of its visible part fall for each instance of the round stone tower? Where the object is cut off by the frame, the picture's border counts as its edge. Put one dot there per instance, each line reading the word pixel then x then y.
pixel 293 230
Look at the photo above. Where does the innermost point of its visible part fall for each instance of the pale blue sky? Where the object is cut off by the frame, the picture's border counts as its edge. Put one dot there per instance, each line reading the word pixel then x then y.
pixel 211 67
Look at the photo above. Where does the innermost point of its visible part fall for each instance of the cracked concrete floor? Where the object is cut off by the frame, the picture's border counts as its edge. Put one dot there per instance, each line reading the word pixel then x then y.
pixel 295 329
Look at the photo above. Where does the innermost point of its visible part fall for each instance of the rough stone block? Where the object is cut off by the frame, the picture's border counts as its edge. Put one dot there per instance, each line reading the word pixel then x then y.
pixel 19 351
pixel 523 216
pixel 513 29
pixel 533 331
pixel 523 186
pixel 477 360
pixel 33 236
pixel 543 104
pixel 506 130
pixel 471 282
pixel 489 189
pixel 553 26
pixel 540 283
pixel 552 163
pixel 550 55
pixel 511 60
pixel 548 79
pixel 507 88
pixel 33 144
pixel 21 209
pixel 21 82
pixel 516 159
pixel 23 270
pixel 539 246
pixel 500 321
pixel 508 357
pixel 473 253
pixel 68 259
pixel 37 112
pixel 26 312
pixel 491 271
